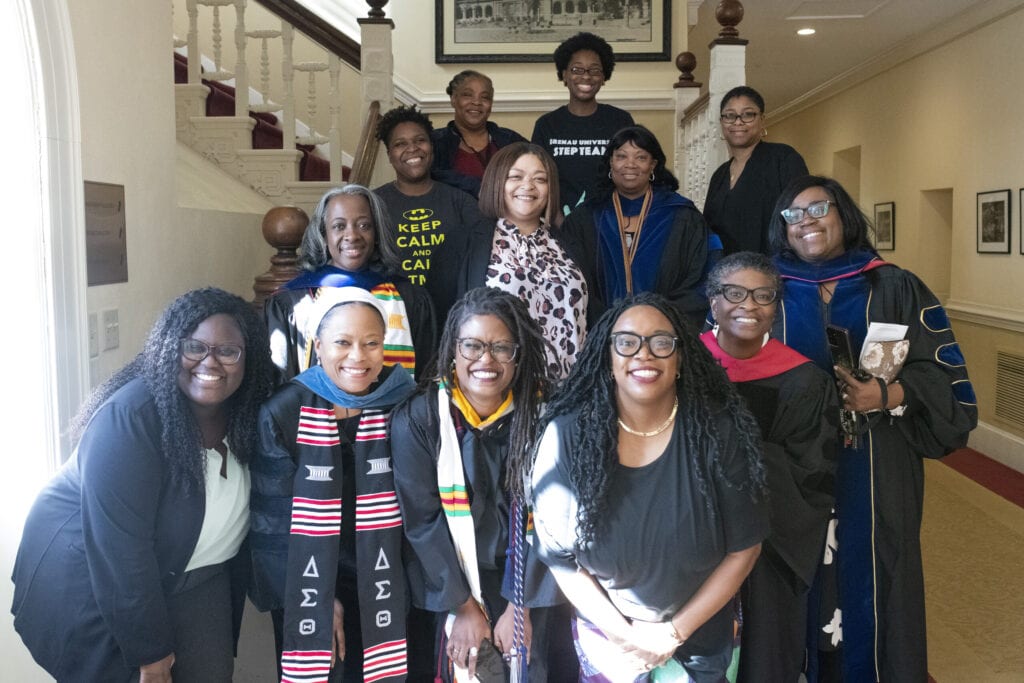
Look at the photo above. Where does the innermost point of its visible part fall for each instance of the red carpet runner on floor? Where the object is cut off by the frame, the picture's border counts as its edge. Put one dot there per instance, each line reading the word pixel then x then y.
pixel 996 477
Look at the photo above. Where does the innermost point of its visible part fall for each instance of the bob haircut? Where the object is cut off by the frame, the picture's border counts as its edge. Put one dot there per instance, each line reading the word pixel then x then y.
pixel 742 260
pixel 313 251
pixel 492 185
pixel 465 75
pixel 584 41
pixel 742 91
pixel 645 140
pixel 856 226
pixel 402 114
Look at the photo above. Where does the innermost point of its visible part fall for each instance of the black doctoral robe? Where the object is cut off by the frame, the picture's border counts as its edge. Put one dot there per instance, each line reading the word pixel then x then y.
pixel 796 407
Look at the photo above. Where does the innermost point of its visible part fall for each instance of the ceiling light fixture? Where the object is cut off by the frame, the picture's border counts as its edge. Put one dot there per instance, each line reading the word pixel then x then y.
pixel 805 32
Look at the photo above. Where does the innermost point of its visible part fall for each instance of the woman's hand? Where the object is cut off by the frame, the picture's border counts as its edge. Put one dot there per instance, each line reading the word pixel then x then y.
pixel 469 630
pixel 652 643
pixel 157 672
pixel 863 396
pixel 504 631
pixel 338 641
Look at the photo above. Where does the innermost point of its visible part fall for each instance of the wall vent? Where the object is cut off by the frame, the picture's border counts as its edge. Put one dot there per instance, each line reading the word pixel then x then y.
pixel 1010 387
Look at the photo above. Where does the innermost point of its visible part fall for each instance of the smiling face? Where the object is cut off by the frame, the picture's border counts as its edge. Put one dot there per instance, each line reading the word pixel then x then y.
pixel 485 381
pixel 739 134
pixel 208 383
pixel 644 380
pixel 585 86
pixel 631 169
pixel 350 346
pixel 472 102
pixel 410 152
pixel 742 326
pixel 816 240
pixel 349 232
pixel 526 192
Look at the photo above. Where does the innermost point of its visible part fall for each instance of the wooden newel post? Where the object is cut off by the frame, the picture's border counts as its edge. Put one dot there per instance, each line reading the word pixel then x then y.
pixel 282 229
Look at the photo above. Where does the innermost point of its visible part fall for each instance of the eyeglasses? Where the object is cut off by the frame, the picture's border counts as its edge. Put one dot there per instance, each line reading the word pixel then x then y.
pixel 735 294
pixel 473 349
pixel 195 350
pixel 745 117
pixel 627 344
pixel 593 72
pixel 795 214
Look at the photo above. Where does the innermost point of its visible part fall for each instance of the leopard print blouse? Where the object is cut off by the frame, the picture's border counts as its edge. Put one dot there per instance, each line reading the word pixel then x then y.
pixel 536 269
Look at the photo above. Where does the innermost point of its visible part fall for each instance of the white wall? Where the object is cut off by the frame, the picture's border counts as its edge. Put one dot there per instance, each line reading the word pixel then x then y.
pixel 128 138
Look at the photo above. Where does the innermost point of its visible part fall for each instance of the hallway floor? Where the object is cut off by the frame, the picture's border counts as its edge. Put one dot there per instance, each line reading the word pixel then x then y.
pixel 973 543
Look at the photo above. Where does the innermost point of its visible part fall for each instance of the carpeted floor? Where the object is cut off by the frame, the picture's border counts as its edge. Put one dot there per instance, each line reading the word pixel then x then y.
pixel 973 543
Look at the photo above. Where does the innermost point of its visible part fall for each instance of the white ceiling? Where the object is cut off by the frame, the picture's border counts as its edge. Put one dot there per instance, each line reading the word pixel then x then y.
pixel 854 37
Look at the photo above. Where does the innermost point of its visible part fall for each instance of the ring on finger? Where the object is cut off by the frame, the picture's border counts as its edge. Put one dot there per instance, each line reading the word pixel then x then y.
pixel 473 651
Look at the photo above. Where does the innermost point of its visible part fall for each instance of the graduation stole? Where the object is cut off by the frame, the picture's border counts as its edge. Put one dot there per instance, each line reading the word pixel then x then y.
pixel 398 348
pixel 313 549
pixel 451 480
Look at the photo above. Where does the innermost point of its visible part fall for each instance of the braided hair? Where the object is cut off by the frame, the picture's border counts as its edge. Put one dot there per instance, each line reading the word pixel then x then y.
pixel 706 400
pixel 530 382
pixel 158 366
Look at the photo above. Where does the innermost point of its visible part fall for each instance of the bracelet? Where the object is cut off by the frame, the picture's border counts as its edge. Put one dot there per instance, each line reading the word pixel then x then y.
pixel 675 633
pixel 902 407
pixel 885 391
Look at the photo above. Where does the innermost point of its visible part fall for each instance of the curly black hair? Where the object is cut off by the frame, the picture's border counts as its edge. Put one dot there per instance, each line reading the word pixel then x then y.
pixel 584 41
pixel 706 399
pixel 158 366
pixel 643 138
pixel 530 382
pixel 401 114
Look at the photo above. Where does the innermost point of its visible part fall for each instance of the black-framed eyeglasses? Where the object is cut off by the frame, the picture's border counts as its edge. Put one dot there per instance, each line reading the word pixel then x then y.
pixel 473 349
pixel 737 294
pixel 593 72
pixel 745 117
pixel 627 344
pixel 795 214
pixel 226 354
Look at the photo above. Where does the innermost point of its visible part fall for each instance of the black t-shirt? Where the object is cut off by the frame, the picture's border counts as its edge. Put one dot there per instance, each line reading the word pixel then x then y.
pixel 577 144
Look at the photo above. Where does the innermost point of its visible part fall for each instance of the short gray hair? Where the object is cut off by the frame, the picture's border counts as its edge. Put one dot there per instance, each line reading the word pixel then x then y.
pixel 313 251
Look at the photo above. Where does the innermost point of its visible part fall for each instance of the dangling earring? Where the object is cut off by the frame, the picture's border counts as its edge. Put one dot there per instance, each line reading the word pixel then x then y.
pixel 677 374
pixel 609 175
pixel 652 177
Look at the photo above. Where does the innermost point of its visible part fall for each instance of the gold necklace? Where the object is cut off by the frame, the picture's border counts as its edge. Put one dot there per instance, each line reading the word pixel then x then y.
pixel 654 432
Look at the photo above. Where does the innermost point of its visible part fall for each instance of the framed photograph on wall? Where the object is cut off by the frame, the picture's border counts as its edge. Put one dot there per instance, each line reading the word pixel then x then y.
pixel 885 226
pixel 530 30
pixel 994 222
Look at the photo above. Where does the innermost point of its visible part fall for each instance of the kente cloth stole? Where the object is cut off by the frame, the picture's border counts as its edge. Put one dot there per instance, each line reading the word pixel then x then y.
pixel 398 348
pixel 313 550
pixel 451 481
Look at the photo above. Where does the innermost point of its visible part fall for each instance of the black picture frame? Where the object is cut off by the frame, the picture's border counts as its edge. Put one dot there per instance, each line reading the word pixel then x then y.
pixel 885 226
pixel 644 35
pixel 993 213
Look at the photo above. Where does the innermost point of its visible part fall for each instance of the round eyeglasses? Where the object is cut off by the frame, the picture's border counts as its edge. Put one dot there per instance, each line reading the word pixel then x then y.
pixel 195 350
pixel 473 349
pixel 627 344
pixel 795 214
pixel 745 117
pixel 736 294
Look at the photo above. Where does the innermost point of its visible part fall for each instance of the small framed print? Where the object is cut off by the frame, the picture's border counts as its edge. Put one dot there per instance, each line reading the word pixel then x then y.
pixel 1020 235
pixel 885 226
pixel 994 222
